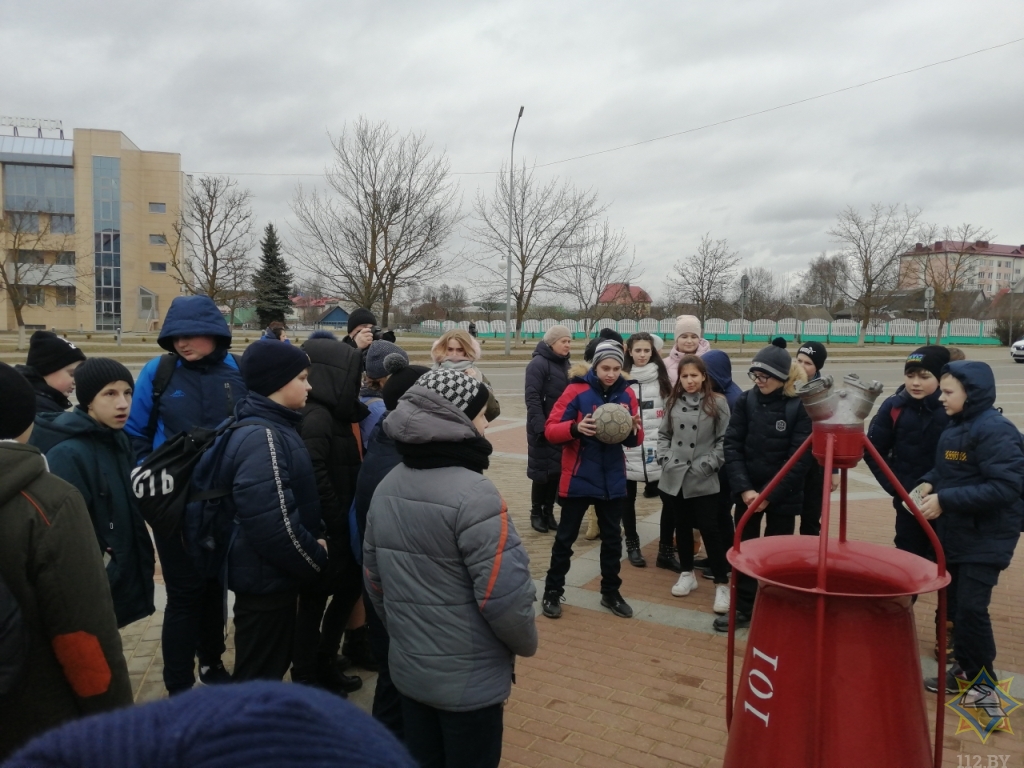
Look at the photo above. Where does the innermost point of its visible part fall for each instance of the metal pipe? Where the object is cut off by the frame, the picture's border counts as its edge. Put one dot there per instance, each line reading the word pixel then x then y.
pixel 508 266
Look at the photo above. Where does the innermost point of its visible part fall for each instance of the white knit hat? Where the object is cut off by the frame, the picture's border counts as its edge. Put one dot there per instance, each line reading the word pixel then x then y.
pixel 556 332
pixel 688 324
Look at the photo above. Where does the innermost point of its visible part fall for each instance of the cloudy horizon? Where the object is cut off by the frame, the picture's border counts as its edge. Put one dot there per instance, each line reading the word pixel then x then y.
pixel 255 89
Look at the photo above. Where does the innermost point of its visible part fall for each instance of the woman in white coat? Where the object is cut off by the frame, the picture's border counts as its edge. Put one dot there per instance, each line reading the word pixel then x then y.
pixel 651 386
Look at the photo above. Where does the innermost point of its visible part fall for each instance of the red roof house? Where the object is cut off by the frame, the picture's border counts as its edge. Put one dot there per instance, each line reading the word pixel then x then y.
pixel 624 293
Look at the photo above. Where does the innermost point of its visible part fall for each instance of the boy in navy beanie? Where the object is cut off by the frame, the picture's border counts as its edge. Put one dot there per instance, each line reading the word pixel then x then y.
pixel 277 545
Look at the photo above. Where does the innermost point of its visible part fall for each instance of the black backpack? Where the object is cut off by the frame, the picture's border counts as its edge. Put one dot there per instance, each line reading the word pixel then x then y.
pixel 14 645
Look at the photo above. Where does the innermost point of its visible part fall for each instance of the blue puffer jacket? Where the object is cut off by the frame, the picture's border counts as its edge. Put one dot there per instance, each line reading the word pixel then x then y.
pixel 590 468
pixel 978 475
pixel 381 457
pixel 908 445
pixel 275 500
pixel 201 393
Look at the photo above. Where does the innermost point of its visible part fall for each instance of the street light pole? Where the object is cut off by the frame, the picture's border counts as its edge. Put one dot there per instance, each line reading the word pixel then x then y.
pixel 508 266
pixel 744 284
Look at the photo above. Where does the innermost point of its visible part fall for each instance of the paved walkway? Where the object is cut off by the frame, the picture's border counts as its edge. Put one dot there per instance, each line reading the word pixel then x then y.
pixel 650 691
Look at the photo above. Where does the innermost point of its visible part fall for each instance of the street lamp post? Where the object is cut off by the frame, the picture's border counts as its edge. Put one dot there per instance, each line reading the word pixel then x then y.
pixel 929 305
pixel 508 266
pixel 744 284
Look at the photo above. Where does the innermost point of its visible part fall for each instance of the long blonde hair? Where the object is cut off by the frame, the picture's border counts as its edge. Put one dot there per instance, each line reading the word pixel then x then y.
pixel 470 346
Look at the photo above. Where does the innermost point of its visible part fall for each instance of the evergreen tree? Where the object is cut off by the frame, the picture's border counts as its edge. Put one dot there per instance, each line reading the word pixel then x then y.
pixel 272 280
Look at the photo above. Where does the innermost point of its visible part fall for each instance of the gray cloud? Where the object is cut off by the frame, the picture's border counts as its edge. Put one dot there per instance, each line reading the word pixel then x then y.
pixel 256 86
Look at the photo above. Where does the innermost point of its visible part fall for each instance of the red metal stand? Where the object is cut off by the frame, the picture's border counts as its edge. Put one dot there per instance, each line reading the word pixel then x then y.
pixel 839 446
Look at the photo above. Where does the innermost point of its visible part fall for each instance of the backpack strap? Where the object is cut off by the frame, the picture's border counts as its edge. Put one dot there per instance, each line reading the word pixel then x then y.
pixel 164 371
pixel 894 413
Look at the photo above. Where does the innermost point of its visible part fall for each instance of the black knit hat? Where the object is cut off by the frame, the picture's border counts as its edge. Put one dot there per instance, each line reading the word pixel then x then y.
pixel 816 351
pixel 94 374
pixel 773 360
pixel 779 342
pixel 48 352
pixel 269 365
pixel 458 388
pixel 400 381
pixel 360 317
pixel 19 401
pixel 930 358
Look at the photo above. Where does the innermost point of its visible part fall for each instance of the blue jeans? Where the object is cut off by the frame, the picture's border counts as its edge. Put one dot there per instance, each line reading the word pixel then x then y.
pixel 437 738
pixel 193 620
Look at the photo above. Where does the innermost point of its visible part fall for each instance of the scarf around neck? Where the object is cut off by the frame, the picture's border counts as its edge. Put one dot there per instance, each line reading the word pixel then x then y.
pixel 472 453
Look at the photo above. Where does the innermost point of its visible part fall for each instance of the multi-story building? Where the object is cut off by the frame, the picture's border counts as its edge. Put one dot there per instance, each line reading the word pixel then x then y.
pixel 980 265
pixel 85 230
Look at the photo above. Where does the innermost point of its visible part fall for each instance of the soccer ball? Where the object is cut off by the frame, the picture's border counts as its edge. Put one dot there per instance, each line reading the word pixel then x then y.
pixel 614 424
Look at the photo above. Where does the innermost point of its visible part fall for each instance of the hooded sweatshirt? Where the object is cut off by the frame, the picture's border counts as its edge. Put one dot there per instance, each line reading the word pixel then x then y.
pixel 48 560
pixel 98 461
pixel 978 475
pixel 720 370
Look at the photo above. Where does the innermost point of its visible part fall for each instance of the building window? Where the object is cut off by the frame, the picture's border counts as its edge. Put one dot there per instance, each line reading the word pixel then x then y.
pixel 30 257
pixel 66 258
pixel 62 225
pixel 158 207
pixel 66 295
pixel 158 266
pixel 34 188
pixel 23 223
pixel 32 295
pixel 106 193
pixel 148 309
pixel 157 240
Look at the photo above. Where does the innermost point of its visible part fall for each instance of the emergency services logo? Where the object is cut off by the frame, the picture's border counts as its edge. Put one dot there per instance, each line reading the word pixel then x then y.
pixel 780 425
pixel 984 705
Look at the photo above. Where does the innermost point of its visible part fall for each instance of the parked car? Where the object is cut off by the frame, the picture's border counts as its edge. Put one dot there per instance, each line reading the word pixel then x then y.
pixel 1017 351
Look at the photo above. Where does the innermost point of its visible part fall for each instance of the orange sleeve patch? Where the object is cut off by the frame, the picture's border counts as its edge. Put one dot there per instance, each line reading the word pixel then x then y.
pixel 85 665
pixel 502 538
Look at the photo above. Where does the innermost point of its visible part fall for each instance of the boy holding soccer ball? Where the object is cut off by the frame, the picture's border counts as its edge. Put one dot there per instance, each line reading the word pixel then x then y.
pixel 593 473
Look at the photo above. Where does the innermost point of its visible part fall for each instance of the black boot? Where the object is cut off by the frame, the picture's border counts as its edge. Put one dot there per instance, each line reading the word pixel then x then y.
pixel 633 552
pixel 330 678
pixel 357 648
pixel 667 559
pixel 549 518
pixel 537 519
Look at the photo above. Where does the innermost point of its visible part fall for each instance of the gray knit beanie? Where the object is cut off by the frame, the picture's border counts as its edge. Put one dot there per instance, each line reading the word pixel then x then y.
pixel 774 361
pixel 375 355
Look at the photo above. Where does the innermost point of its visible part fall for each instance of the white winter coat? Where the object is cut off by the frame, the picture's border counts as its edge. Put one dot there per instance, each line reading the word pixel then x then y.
pixel 642 462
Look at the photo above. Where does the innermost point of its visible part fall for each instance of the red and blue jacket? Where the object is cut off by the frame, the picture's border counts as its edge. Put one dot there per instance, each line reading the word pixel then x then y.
pixel 590 468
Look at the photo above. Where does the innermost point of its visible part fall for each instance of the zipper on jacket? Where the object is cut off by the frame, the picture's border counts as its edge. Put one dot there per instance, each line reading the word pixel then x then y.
pixel 230 400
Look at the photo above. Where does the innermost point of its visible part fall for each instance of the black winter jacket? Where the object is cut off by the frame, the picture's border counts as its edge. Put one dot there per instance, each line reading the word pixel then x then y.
pixel 756 449
pixel 98 461
pixel 978 475
pixel 908 446
pixel 333 406
pixel 48 399
pixel 381 457
pixel 275 501
pixel 547 376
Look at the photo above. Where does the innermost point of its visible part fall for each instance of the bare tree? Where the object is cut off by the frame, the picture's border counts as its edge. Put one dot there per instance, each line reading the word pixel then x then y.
pixel 34 259
pixel 450 299
pixel 550 225
pixel 603 259
pixel 948 272
pixel 703 277
pixel 766 294
pixel 824 280
pixel 871 247
pixel 394 206
pixel 211 242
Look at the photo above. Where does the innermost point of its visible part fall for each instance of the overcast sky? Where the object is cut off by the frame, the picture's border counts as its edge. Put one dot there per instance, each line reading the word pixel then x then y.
pixel 254 87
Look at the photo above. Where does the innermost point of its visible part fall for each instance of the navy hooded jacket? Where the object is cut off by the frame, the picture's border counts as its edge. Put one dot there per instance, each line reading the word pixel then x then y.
pixel 908 441
pixel 547 376
pixel 201 393
pixel 274 498
pixel 978 475
pixel 720 370
pixel 591 468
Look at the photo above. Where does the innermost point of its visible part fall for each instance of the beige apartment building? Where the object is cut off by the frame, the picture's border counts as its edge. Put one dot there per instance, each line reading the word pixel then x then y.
pixel 85 232
pixel 977 266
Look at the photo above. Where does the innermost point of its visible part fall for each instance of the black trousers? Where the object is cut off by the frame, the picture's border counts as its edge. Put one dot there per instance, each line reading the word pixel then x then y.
pixel 387 702
pixel 437 738
pixel 194 617
pixel 544 493
pixel 776 525
pixel 700 512
pixel 910 536
pixel 629 511
pixel 319 625
pixel 810 513
pixel 264 633
pixel 609 517
pixel 724 513
pixel 970 593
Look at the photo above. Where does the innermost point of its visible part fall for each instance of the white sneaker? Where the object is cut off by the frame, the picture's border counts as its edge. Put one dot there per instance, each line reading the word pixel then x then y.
pixel 721 599
pixel 685 585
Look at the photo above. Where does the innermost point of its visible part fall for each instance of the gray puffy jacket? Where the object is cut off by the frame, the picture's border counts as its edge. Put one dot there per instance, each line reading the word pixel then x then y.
pixel 691 447
pixel 446 570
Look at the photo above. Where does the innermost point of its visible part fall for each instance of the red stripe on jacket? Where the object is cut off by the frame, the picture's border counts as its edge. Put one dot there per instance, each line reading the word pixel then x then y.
pixel 498 555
